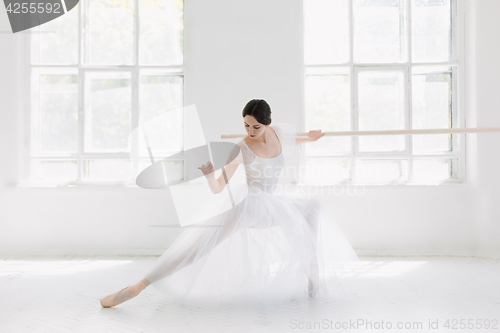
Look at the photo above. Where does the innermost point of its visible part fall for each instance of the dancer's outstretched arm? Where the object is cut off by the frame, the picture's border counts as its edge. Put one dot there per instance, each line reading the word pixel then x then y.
pixel 314 135
pixel 217 184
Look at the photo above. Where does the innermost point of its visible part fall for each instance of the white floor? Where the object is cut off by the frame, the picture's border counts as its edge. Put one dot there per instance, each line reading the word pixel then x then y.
pixel 62 295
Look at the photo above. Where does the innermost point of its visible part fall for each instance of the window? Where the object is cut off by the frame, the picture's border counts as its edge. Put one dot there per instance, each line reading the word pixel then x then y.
pixel 367 66
pixel 96 73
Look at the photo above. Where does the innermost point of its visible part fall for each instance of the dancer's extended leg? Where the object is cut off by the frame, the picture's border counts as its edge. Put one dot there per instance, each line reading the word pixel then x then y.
pixel 159 272
pixel 206 241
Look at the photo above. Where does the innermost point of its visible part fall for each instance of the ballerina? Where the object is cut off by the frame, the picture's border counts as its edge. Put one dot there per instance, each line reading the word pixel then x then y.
pixel 269 247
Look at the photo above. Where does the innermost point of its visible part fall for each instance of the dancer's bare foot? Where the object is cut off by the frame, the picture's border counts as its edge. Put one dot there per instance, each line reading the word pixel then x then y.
pixel 124 294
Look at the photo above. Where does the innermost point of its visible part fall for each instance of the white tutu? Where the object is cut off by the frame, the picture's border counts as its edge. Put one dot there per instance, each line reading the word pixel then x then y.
pixel 262 251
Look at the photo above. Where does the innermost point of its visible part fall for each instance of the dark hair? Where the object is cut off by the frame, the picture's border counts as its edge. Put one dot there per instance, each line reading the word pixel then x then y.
pixel 259 109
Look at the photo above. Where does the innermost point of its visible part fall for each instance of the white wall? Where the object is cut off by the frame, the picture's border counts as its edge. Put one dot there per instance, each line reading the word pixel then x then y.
pixel 487 103
pixel 236 51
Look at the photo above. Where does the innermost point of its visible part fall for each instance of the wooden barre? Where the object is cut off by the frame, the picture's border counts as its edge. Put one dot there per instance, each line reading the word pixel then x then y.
pixel 392 132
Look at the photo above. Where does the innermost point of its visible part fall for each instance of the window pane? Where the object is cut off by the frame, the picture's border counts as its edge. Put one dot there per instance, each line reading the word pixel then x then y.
pixel 161 96
pixel 108 170
pixel 107 111
pixel 432 108
pixel 381 103
pixel 325 171
pixel 431 30
pixel 110 37
pixel 326 27
pixel 161 32
pixel 381 107
pixel 379 31
pixel 434 169
pixel 327 108
pixel 56 42
pixel 371 170
pixel 55 114
pixel 53 170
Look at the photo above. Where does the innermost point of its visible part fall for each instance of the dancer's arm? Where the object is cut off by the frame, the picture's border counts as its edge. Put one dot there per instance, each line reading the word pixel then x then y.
pixel 314 135
pixel 217 184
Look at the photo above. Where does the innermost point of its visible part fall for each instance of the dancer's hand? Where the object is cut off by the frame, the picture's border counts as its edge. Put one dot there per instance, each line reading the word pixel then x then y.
pixel 315 135
pixel 208 169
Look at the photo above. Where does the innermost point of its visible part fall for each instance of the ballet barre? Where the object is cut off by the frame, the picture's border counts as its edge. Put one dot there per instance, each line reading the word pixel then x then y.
pixel 393 132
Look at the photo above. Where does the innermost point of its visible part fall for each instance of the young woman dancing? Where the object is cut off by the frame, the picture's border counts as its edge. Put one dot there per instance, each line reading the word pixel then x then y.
pixel 268 248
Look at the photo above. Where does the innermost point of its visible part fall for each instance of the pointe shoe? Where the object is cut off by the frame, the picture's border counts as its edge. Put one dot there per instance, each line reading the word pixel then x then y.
pixel 313 278
pixel 109 300
pixel 311 288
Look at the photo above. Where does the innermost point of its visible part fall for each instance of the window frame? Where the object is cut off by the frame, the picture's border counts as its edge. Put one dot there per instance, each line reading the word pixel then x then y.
pixel 82 69
pixel 458 101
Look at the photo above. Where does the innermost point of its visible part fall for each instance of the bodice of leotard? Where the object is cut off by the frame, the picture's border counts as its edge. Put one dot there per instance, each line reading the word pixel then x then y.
pixel 263 173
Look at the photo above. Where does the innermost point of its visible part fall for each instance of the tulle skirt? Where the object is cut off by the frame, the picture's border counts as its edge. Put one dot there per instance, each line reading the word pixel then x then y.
pixel 261 253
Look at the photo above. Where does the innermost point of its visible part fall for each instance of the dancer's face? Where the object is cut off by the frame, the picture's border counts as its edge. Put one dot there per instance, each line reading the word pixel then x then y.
pixel 253 127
